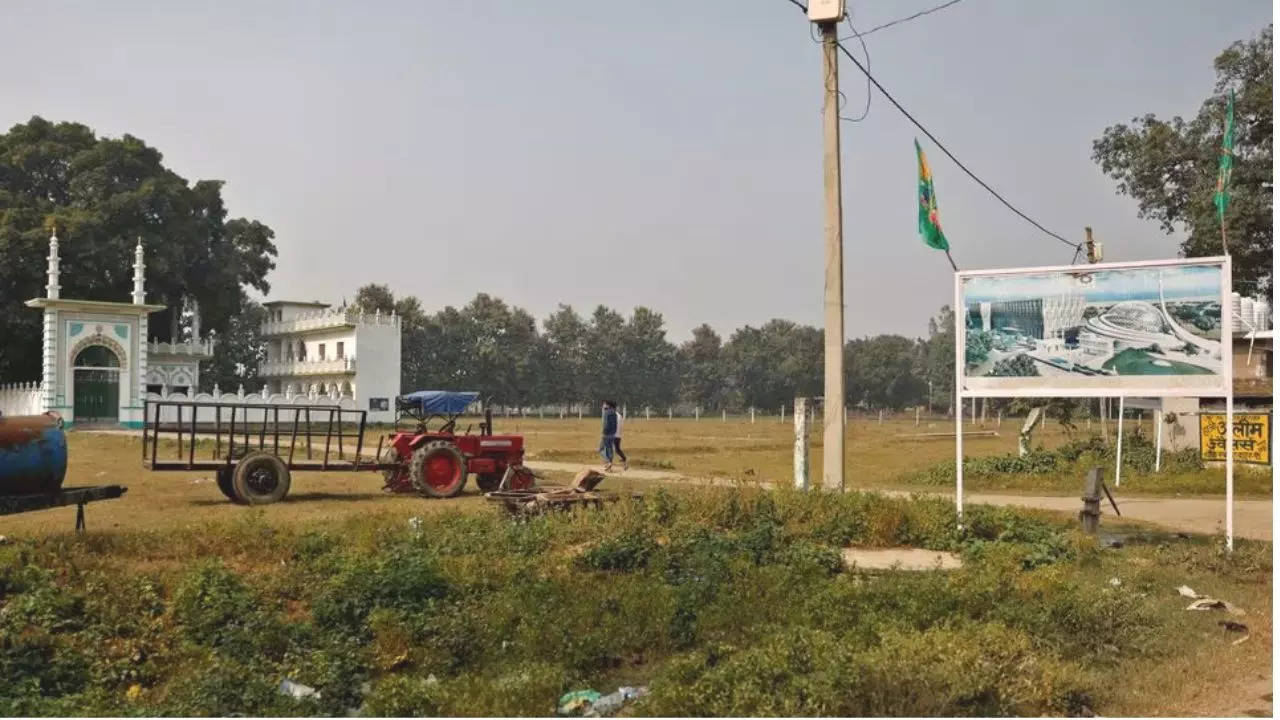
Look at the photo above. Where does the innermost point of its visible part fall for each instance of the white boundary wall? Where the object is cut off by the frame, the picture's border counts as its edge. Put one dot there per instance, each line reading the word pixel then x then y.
pixel 253 415
pixel 21 398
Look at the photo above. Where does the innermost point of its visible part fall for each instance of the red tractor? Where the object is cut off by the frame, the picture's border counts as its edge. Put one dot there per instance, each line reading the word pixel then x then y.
pixel 436 462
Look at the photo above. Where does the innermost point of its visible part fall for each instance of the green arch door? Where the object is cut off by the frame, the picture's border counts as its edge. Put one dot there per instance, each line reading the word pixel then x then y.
pixel 97 385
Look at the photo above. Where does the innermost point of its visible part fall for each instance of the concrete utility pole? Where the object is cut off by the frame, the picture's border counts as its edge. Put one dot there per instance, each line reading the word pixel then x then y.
pixel 833 422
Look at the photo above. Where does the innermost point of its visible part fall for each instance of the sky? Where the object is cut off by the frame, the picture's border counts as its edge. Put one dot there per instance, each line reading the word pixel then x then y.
pixel 665 154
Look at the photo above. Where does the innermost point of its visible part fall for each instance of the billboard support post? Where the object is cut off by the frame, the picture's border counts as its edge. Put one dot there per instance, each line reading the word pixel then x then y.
pixel 1119 439
pixel 1228 368
pixel 1159 413
pixel 958 314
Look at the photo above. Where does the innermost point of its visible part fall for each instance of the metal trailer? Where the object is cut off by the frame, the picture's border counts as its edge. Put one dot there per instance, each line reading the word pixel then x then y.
pixel 78 496
pixel 256 447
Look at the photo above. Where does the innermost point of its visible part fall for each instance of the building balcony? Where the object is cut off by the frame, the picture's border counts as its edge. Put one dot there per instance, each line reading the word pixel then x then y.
pixel 325 320
pixel 201 349
pixel 289 368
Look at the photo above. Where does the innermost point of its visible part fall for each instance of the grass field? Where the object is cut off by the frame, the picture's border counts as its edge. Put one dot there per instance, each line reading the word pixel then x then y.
pixel 724 601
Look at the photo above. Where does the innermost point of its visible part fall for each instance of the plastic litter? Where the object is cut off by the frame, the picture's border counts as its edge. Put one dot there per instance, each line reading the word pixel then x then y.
pixel 576 702
pixel 1204 602
pixel 613 702
pixel 1115 582
pixel 297 690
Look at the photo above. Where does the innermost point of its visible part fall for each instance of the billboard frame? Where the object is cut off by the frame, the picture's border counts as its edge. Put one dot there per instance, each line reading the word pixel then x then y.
pixel 1222 390
pixel 1228 370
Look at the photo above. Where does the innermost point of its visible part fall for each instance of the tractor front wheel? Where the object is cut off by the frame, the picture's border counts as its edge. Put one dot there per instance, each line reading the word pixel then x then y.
pixel 438 470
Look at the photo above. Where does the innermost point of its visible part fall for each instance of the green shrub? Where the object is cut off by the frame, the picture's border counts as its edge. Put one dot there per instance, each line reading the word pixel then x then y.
pixel 630 550
pixel 400 577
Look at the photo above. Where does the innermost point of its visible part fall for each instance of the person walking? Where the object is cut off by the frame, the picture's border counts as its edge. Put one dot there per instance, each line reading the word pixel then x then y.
pixel 608 428
pixel 617 438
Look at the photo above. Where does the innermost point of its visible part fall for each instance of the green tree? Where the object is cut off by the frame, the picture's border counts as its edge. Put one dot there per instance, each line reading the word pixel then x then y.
pixel 940 357
pixel 241 350
pixel 647 361
pixel 1171 166
pixel 704 377
pixel 773 364
pixel 565 337
pixel 103 194
pixel 884 372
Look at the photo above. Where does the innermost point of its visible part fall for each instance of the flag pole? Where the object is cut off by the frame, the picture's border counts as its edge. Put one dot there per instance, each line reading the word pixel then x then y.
pixel 951 260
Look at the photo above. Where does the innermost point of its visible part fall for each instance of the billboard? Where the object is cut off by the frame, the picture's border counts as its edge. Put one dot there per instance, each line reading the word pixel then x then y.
pixel 1252 433
pixel 1150 329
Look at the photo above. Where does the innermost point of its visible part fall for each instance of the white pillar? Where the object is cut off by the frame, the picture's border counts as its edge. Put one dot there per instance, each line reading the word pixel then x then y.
pixel 697 411
pixel 801 454
pixel 724 416
pixel 753 416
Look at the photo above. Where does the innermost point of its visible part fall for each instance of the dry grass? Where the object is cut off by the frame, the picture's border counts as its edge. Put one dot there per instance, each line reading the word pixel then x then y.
pixel 1200 672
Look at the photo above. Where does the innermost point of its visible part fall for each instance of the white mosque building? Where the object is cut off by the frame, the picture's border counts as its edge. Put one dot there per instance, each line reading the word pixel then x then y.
pixel 97 363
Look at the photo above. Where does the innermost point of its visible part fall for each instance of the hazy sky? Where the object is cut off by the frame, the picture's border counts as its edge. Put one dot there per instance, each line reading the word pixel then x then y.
pixel 658 153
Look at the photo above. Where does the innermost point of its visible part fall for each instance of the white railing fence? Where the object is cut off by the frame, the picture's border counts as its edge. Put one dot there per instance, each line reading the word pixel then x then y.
pixel 21 398
pixel 169 413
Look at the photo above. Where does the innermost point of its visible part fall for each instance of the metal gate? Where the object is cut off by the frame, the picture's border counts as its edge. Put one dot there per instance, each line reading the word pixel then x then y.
pixel 97 395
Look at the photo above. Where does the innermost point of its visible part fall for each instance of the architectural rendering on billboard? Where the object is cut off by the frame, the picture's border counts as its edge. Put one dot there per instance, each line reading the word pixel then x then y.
pixel 1153 328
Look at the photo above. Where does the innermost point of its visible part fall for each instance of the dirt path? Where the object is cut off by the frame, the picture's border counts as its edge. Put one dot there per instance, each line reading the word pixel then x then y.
pixel 1197 515
pixel 1253 518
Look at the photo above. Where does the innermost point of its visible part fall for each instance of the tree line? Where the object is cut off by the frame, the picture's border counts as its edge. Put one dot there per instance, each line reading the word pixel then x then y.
pixel 502 351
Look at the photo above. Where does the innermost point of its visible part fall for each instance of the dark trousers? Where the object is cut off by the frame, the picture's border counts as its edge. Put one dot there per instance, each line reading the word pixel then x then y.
pixel 617 448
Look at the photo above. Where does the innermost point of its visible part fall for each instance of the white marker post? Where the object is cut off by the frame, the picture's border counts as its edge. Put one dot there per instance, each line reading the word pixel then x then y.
pixel 802 445
pixel 1119 439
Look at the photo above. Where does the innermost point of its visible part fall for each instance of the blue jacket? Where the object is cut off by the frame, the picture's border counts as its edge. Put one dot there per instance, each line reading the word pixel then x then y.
pixel 610 423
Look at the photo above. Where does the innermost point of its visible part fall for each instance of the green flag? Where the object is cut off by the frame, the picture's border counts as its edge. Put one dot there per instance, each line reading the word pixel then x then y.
pixel 930 228
pixel 1222 195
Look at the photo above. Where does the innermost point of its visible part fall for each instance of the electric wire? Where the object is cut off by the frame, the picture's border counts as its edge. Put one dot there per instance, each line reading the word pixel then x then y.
pixel 871 79
pixel 899 21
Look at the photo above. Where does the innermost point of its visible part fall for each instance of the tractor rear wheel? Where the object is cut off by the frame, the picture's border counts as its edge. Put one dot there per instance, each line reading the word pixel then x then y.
pixel 438 470
pixel 260 479
pixel 488 482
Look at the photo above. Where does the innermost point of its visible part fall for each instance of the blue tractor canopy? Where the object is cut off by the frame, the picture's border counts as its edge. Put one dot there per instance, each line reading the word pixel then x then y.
pixel 437 402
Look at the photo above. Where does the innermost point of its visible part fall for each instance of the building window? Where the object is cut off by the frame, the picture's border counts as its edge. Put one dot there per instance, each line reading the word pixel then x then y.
pixel 153 389
pixel 320 351
pixel 340 351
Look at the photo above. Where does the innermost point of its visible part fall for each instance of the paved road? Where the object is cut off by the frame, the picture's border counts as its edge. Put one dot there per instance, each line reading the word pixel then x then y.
pixel 1253 518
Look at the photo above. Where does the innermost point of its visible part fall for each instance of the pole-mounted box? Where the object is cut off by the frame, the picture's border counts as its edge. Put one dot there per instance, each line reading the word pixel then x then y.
pixel 822 11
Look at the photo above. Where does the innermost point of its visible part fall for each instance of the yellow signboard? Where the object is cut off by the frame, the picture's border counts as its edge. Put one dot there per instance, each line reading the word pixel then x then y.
pixel 1252 438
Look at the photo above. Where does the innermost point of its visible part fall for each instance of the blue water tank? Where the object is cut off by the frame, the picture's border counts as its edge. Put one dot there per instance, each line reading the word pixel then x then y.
pixel 33 454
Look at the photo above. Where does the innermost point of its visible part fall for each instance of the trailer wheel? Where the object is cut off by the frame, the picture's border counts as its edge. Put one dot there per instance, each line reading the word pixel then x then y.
pixel 260 478
pixel 438 470
pixel 488 482
pixel 225 483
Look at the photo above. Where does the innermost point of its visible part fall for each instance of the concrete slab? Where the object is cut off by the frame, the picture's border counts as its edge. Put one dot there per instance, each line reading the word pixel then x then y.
pixel 899 559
